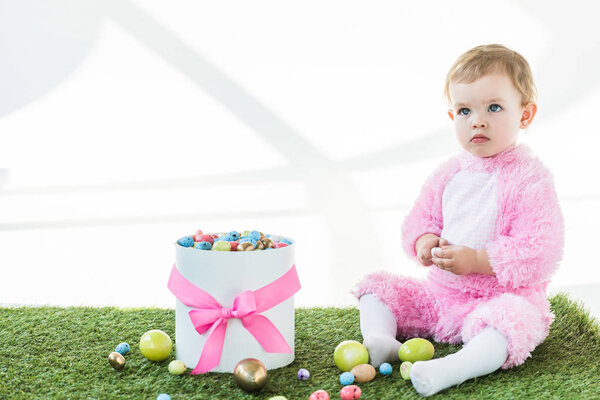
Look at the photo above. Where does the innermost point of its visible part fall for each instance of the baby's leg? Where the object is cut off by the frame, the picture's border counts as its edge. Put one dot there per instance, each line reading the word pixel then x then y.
pixel 484 354
pixel 500 332
pixel 391 305
pixel 378 327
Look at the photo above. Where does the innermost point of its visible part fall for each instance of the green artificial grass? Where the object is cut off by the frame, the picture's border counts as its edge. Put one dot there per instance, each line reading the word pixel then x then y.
pixel 51 352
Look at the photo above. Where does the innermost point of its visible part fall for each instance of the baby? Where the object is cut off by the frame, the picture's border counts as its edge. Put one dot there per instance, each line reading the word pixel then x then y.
pixel 488 226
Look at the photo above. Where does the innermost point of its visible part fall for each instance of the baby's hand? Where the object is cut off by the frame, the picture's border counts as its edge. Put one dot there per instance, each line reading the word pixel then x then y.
pixel 459 260
pixel 424 245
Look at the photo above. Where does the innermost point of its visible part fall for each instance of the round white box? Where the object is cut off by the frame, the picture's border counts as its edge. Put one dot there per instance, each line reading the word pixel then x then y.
pixel 224 275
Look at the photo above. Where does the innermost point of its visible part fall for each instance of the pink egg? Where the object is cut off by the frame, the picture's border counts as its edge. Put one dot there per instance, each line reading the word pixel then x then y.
pixel 278 245
pixel 234 246
pixel 198 235
pixel 205 238
pixel 319 395
pixel 350 392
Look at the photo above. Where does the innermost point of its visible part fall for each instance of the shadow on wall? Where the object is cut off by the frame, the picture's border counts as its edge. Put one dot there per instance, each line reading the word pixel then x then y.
pixel 43 43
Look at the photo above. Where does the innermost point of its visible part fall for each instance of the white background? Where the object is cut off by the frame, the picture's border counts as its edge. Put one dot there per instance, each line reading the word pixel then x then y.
pixel 125 125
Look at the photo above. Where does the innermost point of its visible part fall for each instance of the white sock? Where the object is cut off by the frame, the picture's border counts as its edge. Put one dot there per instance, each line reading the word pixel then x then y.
pixel 378 327
pixel 484 354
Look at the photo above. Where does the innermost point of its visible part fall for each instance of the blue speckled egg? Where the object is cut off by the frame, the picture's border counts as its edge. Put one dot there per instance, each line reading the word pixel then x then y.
pixel 186 241
pixel 122 348
pixel 254 235
pixel 163 396
pixel 204 246
pixel 385 369
pixel 347 378
pixel 233 236
pixel 286 241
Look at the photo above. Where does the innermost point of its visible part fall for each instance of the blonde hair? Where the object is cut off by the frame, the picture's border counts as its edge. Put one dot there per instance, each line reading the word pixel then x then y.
pixel 489 58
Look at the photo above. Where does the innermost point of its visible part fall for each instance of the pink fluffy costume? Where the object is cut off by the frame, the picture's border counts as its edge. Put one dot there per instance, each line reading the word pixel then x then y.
pixel 505 204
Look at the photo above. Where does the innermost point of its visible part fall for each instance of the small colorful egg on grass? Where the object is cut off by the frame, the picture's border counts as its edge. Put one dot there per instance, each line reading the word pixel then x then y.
pixel 155 345
pixel 349 354
pixel 416 349
pixel 163 396
pixel 303 374
pixel 319 395
pixel 186 241
pixel 222 245
pixel 278 398
pixel 176 367
pixel 116 360
pixel 363 373
pixel 347 378
pixel 405 370
pixel 350 392
pixel 385 369
pixel 204 245
pixel 122 348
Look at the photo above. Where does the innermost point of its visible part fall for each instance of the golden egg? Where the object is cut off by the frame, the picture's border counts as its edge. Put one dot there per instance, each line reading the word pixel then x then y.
pixel 267 242
pixel 246 246
pixel 250 374
pixel 116 360
pixel 260 245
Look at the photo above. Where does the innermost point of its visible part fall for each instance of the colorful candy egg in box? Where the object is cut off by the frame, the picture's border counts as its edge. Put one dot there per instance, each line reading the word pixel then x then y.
pixel 220 277
pixel 234 241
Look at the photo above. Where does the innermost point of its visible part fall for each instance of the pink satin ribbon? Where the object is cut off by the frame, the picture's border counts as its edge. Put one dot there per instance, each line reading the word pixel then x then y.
pixel 209 315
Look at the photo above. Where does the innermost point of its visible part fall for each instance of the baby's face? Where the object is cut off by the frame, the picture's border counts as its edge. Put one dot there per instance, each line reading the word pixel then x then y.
pixel 487 114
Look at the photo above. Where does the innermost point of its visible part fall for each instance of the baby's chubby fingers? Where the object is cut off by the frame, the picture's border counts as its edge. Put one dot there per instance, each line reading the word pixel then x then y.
pixel 436 251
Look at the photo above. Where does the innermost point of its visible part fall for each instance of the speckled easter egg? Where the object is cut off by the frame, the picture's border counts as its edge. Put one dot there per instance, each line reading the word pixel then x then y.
pixel 163 396
pixel 347 378
pixel 176 367
pixel 319 395
pixel 405 370
pixel 416 349
pixel 186 241
pixel 122 348
pixel 303 374
pixel 363 372
pixel 350 392
pixel 206 238
pixel 204 245
pixel 278 398
pixel 198 236
pixel 385 369
pixel 222 245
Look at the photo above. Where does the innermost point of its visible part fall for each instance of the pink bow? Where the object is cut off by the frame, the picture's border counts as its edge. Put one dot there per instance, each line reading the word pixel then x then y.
pixel 209 315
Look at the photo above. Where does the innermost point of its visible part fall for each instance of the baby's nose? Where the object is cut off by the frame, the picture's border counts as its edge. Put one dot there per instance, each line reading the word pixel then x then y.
pixel 479 123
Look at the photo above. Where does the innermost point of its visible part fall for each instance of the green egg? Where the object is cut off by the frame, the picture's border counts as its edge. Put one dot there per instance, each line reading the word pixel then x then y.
pixel 405 370
pixel 416 349
pixel 221 245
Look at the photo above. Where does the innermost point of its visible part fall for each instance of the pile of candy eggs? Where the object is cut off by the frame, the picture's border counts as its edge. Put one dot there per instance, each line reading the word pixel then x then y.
pixel 234 241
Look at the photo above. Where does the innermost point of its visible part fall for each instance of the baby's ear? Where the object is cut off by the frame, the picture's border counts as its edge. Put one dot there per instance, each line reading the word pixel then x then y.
pixel 451 114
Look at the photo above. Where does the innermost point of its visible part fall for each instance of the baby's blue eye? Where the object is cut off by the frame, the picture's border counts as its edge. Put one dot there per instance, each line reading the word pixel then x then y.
pixel 494 108
pixel 464 111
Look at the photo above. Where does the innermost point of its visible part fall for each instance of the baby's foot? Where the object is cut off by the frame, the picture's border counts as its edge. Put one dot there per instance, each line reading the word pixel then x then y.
pixel 382 348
